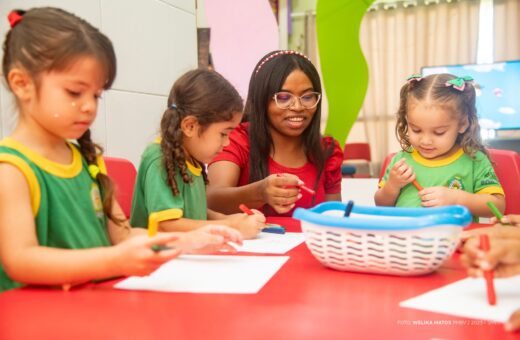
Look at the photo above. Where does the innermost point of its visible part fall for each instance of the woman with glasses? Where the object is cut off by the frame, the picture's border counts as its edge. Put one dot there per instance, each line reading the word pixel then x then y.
pixel 278 150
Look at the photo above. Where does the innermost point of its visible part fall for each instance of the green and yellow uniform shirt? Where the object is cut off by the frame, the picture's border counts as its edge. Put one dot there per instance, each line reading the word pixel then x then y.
pixel 152 194
pixel 66 201
pixel 459 171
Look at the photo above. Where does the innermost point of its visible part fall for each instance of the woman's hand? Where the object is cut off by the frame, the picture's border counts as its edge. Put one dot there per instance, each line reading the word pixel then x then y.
pixel 281 191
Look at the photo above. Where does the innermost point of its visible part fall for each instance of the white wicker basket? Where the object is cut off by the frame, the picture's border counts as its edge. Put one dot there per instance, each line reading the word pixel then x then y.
pixel 397 241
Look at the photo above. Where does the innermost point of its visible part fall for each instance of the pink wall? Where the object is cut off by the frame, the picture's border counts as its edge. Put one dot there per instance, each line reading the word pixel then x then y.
pixel 242 31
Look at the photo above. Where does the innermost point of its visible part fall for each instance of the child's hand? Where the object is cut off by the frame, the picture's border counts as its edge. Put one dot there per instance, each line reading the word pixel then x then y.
pixel 281 191
pixel 401 174
pixel 248 225
pixel 209 239
pixel 514 220
pixel 135 256
pixel 513 324
pixel 438 196
pixel 504 254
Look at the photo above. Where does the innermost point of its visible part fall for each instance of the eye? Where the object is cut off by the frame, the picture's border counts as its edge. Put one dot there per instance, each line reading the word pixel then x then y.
pixel 283 97
pixel 436 133
pixel 73 93
pixel 415 130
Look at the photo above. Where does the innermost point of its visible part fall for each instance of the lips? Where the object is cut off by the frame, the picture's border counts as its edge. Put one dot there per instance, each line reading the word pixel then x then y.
pixel 295 122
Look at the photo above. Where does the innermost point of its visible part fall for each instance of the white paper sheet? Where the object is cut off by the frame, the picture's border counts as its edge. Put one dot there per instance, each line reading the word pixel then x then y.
pixel 270 243
pixel 209 274
pixel 468 298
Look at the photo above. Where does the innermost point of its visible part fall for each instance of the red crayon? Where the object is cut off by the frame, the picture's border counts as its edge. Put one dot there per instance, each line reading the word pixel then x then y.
pixel 417 185
pixel 245 209
pixel 301 186
pixel 488 274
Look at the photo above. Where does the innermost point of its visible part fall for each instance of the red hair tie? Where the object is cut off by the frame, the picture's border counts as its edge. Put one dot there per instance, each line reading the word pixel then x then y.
pixel 14 17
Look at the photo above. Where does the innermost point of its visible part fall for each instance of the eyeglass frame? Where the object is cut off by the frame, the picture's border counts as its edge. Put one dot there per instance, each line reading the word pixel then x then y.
pixel 294 97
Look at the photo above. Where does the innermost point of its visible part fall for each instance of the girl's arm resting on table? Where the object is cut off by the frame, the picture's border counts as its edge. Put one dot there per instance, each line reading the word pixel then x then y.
pixel 249 226
pixel 26 261
pixel 476 203
pixel 223 193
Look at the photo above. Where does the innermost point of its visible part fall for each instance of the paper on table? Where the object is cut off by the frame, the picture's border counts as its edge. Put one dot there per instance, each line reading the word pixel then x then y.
pixel 270 243
pixel 468 298
pixel 209 274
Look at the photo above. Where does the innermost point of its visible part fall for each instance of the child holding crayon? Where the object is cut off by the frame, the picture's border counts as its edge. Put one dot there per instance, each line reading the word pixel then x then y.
pixel 503 257
pixel 443 160
pixel 58 215
pixel 203 108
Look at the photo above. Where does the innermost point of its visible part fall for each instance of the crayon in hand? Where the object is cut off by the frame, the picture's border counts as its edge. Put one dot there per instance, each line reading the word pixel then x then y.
pixel 417 185
pixel 488 274
pixel 496 212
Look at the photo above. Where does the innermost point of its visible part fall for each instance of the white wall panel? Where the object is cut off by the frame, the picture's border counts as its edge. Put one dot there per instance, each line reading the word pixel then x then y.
pixel 132 122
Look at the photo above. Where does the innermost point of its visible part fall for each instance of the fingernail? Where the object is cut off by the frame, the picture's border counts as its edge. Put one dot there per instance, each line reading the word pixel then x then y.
pixel 300 196
pixel 300 182
pixel 504 219
pixel 508 326
pixel 480 254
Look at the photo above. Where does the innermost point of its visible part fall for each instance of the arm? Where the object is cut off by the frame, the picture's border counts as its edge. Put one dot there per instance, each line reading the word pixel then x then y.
pixel 24 260
pixel 280 192
pixel 249 226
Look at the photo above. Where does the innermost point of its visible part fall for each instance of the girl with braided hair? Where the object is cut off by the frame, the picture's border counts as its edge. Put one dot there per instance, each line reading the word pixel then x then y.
pixel 203 109
pixel 58 215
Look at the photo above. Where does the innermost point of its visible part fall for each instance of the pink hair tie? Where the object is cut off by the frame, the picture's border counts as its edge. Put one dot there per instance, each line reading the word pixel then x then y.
pixel 14 18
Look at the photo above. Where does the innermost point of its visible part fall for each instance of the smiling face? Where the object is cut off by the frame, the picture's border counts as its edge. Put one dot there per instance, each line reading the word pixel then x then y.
pixel 64 104
pixel 205 144
pixel 433 129
pixel 291 122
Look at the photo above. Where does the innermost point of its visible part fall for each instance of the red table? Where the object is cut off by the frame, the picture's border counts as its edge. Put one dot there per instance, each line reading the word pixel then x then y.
pixel 304 300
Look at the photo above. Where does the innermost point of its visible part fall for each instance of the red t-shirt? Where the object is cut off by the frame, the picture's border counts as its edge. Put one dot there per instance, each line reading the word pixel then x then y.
pixel 330 181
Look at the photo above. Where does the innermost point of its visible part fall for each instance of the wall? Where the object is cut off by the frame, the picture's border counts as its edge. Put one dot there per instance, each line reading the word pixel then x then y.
pixel 155 42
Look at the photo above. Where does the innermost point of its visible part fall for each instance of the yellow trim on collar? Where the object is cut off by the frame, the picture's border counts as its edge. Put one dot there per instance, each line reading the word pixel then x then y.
pixel 157 140
pixel 56 169
pixel 194 169
pixel 493 190
pixel 436 162
pixel 32 181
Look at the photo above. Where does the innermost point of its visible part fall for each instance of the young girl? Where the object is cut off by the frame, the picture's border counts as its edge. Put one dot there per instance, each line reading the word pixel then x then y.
pixel 58 216
pixel 438 130
pixel 203 109
pixel 278 148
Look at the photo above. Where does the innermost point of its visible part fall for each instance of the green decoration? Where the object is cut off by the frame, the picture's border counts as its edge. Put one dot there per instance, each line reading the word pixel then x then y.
pixel 343 66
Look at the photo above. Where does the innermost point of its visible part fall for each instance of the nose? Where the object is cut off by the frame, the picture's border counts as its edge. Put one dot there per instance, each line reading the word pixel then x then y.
pixel 296 104
pixel 89 106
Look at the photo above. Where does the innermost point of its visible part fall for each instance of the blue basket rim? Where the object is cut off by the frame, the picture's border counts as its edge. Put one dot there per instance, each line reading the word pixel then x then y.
pixel 455 215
